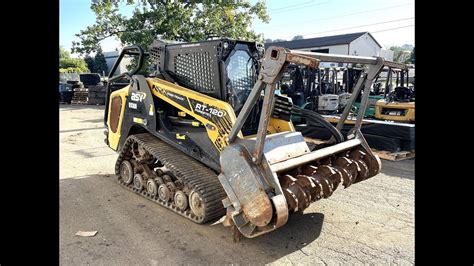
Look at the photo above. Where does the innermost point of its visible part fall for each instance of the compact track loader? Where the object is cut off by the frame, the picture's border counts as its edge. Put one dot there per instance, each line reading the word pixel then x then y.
pixel 207 137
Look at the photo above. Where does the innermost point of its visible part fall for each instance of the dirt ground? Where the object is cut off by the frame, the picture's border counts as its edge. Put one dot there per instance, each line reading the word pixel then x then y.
pixel 370 222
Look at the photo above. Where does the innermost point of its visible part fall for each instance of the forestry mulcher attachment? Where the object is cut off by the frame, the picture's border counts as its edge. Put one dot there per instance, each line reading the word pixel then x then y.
pixel 206 135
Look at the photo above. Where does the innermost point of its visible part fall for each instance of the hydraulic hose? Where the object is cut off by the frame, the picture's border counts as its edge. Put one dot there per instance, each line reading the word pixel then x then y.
pixel 315 118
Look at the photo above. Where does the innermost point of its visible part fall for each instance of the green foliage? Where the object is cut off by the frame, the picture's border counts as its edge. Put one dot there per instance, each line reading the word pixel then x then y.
pixel 70 65
pixel 172 20
pixel 276 40
pixel 411 60
pixel 72 70
pixel 63 53
pixel 400 54
pixel 90 63
pixel 298 37
pixel 99 62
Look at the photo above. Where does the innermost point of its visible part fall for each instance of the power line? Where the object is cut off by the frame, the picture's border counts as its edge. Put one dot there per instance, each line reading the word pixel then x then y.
pixel 360 26
pixel 290 6
pixel 339 16
pixel 297 7
pixel 394 28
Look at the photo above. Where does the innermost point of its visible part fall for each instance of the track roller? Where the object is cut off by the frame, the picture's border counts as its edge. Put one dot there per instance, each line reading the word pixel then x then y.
pixel 151 187
pixel 196 204
pixel 181 200
pixel 126 172
pixel 138 182
pixel 164 193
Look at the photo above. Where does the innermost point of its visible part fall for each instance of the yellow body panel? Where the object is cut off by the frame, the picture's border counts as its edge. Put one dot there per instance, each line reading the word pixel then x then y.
pixel 276 125
pixel 408 117
pixel 218 129
pixel 114 138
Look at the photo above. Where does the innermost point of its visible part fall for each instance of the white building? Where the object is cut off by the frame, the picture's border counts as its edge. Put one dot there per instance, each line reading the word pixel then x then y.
pixel 360 43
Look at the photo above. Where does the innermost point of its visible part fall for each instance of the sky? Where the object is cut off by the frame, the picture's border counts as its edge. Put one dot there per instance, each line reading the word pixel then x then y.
pixel 391 22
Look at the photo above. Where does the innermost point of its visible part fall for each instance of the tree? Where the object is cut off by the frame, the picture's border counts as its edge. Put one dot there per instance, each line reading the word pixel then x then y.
pixel 407 47
pixel 399 54
pixel 173 20
pixel 63 53
pixel 298 37
pixel 99 62
pixel 70 65
pixel 90 63
pixel 412 57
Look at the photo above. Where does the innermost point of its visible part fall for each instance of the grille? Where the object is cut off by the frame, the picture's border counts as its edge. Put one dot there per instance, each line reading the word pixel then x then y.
pixel 155 54
pixel 194 70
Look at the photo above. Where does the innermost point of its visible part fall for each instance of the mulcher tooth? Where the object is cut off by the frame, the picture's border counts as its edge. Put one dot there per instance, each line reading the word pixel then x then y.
pixel 287 180
pixel 331 174
pixel 291 199
pixel 326 186
pixel 358 157
pixel 303 198
pixel 308 170
pixel 308 186
pixel 348 168
pixel 296 198
pixel 318 192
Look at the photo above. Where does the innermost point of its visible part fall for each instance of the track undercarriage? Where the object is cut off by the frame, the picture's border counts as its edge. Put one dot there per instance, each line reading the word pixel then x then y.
pixel 148 167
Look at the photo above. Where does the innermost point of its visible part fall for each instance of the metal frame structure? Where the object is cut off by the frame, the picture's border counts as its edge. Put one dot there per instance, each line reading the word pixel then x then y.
pixel 274 64
pixel 134 50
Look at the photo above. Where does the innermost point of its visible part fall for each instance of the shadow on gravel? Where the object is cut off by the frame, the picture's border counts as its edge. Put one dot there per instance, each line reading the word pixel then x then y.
pixel 80 129
pixel 301 230
pixel 403 169
pixel 81 106
pixel 93 120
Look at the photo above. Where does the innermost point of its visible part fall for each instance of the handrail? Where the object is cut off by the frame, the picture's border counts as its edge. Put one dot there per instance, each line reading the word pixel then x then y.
pixel 131 51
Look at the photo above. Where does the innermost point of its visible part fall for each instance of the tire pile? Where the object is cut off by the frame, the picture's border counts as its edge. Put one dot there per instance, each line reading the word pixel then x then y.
pixel 89 90
pixel 65 93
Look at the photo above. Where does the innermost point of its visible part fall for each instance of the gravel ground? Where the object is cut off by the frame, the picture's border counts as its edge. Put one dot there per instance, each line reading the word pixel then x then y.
pixel 370 222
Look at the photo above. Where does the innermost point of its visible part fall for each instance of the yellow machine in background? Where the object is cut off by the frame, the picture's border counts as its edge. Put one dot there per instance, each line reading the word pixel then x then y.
pixel 395 111
pixel 398 104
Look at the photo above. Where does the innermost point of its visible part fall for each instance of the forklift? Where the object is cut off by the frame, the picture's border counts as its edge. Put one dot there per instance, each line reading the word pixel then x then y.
pixel 322 88
pixel 397 104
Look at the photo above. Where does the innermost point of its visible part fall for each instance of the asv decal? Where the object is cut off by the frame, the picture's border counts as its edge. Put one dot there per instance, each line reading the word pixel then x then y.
pixel 137 96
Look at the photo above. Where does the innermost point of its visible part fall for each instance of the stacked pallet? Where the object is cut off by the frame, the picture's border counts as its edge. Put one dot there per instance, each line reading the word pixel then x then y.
pixel 94 95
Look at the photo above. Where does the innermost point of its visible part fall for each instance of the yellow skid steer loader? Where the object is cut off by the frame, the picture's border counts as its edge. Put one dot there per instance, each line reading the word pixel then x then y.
pixel 206 136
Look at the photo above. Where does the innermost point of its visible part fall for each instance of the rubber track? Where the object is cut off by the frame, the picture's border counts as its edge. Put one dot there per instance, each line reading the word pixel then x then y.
pixel 194 175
